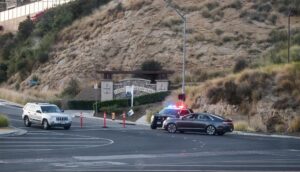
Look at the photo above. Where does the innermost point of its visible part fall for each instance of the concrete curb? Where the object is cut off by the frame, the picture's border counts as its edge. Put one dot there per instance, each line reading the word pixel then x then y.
pixel 265 135
pixel 14 132
pixel 6 102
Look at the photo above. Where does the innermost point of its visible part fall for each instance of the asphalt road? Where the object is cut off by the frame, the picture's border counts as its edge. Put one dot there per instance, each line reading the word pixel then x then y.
pixel 137 148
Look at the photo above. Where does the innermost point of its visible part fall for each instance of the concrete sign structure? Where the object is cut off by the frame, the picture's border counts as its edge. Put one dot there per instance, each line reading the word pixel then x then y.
pixel 107 90
pixel 111 90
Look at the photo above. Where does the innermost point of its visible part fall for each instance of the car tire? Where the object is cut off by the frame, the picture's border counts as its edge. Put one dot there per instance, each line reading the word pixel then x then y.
pixel 210 130
pixel 171 128
pixel 221 133
pixel 67 127
pixel 45 124
pixel 27 122
pixel 153 125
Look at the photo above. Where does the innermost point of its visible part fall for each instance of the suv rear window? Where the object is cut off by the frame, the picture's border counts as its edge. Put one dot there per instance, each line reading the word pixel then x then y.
pixel 172 112
pixel 184 112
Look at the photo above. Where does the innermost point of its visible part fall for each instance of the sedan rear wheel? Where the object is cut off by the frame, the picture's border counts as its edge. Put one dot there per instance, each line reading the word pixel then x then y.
pixel 211 130
pixel 171 128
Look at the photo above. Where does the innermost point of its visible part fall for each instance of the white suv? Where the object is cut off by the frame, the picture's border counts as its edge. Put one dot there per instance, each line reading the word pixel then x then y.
pixel 45 114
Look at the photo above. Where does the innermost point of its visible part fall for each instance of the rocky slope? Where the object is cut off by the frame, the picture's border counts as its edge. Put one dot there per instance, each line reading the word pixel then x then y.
pixel 267 98
pixel 125 33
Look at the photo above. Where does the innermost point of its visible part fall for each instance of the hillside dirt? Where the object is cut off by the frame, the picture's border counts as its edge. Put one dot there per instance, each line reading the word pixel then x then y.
pixel 123 34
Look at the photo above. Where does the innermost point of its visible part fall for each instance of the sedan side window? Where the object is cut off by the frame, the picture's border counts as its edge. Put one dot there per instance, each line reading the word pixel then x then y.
pixel 192 116
pixel 203 118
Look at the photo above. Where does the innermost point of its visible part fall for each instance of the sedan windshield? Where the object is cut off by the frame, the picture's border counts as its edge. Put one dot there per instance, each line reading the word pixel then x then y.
pixel 50 109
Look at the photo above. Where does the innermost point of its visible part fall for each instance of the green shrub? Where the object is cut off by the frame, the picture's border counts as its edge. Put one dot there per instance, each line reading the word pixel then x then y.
pixel 3 121
pixel 42 57
pixel 266 7
pixel 295 39
pixel 240 65
pixel 80 105
pixel 206 13
pixel 72 89
pixel 212 5
pixel 285 103
pixel 171 21
pixel 5 38
pixel 140 100
pixel 278 36
pixel 273 18
pixel 219 31
pixel 214 94
pixel 295 53
pixel 151 98
pixel 23 52
pixel 149 65
pixel 25 29
pixel 35 78
pixel 3 72
pixel 230 93
pixel 273 123
pixel 227 38
pixel 236 4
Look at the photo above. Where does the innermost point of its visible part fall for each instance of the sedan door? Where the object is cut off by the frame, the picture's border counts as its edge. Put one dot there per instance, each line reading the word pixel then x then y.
pixel 202 122
pixel 187 122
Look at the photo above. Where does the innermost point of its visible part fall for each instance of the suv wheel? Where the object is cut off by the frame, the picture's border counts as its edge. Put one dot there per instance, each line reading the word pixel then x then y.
pixel 67 127
pixel 210 130
pixel 27 123
pixel 45 124
pixel 153 126
pixel 171 128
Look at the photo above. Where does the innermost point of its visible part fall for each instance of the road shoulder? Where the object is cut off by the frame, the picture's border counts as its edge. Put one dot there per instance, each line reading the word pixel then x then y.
pixel 11 131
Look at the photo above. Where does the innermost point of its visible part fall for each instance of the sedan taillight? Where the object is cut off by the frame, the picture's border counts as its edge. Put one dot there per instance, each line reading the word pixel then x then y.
pixel 227 121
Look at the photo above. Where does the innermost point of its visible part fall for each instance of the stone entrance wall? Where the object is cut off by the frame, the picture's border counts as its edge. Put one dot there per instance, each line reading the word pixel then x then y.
pixel 111 90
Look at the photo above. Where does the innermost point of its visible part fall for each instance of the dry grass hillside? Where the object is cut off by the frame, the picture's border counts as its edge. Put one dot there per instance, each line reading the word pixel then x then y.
pixel 125 33
pixel 267 98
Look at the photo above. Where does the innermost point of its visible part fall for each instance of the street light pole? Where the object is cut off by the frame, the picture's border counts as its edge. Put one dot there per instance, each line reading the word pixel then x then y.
pixel 289 34
pixel 184 44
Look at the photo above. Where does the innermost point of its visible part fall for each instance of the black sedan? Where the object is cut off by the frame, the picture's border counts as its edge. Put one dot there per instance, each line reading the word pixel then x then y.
pixel 203 122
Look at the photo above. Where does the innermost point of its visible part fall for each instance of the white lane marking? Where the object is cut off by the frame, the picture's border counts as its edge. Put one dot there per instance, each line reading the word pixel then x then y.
pixel 48 138
pixel 33 145
pixel 89 164
pixel 19 150
pixel 53 142
pixel 111 129
pixel 294 150
pixel 170 155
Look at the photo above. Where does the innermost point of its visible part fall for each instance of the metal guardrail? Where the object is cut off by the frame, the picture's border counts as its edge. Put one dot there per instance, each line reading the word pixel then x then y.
pixel 31 8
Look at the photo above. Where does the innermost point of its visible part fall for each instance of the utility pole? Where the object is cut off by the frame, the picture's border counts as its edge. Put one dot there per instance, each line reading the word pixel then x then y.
pixel 289 34
pixel 184 45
